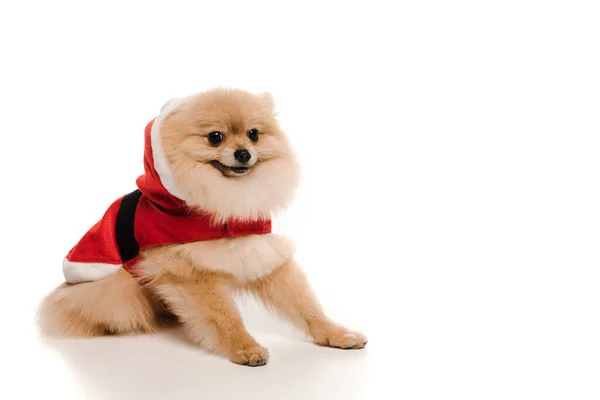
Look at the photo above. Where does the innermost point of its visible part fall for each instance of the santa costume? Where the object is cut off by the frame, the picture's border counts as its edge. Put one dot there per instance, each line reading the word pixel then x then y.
pixel 153 214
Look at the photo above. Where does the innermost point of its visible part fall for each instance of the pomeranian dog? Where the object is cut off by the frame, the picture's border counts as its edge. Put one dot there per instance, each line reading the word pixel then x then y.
pixel 196 231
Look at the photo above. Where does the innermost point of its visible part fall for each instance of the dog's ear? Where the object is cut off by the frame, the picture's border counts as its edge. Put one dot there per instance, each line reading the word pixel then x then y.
pixel 267 100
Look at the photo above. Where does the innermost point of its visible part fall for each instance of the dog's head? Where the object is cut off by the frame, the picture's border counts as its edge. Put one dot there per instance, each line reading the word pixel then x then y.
pixel 228 154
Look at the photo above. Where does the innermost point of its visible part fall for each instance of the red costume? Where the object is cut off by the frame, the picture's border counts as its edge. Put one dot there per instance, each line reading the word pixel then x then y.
pixel 152 215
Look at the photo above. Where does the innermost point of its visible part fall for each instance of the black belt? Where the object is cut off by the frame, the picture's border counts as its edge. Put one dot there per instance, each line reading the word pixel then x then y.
pixel 124 226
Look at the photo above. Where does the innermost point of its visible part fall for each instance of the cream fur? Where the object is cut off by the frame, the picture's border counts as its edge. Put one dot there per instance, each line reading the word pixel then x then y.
pixel 247 258
pixel 223 198
pixel 271 184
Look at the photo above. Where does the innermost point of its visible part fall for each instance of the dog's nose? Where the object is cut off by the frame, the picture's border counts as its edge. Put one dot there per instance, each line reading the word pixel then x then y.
pixel 242 155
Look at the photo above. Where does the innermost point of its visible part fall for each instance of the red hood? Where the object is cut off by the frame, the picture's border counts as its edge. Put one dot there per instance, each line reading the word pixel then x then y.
pixel 150 183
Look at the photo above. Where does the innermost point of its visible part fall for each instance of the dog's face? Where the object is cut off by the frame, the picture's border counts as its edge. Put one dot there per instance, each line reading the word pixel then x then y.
pixel 229 155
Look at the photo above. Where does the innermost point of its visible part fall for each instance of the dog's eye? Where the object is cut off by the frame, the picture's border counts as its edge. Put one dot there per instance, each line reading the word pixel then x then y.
pixel 253 134
pixel 215 138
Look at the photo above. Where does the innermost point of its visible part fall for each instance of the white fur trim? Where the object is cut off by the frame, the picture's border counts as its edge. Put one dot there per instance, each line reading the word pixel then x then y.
pixel 161 165
pixel 167 103
pixel 76 272
pixel 247 257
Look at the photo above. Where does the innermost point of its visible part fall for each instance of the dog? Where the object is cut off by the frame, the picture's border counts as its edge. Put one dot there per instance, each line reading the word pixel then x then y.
pixel 195 233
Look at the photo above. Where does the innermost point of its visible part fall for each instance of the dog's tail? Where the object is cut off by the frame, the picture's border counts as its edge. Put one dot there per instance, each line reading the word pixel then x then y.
pixel 117 304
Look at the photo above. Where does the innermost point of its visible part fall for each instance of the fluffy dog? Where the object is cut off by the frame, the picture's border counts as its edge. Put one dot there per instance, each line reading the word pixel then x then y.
pixel 222 155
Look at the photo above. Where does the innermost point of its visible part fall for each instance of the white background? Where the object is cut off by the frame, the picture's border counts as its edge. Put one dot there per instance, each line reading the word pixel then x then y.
pixel 450 204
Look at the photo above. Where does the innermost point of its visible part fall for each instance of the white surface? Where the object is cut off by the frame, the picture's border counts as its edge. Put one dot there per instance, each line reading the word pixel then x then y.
pixel 450 199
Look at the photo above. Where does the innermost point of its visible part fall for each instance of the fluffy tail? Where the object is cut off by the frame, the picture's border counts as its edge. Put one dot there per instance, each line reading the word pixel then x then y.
pixel 113 305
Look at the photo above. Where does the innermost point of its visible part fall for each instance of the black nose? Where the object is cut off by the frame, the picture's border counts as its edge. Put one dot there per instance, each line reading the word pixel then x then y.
pixel 242 155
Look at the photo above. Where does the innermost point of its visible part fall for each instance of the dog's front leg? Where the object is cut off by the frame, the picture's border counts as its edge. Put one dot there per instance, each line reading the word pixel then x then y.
pixel 288 292
pixel 208 311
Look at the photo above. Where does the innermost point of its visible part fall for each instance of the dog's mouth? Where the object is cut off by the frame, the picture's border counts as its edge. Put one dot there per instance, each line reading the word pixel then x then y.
pixel 229 171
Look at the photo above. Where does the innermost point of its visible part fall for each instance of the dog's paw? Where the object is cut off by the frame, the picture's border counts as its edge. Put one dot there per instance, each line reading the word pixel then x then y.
pixel 253 356
pixel 341 338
